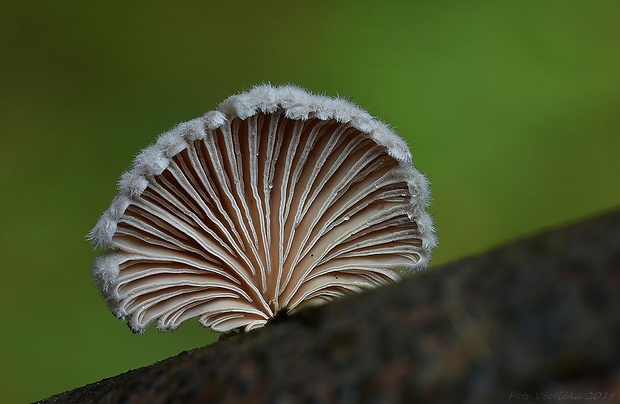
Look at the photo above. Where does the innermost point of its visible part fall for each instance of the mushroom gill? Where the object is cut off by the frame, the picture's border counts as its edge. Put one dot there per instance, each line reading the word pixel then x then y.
pixel 276 200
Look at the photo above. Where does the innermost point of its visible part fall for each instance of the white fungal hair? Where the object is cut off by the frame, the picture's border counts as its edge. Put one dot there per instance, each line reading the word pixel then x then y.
pixel 276 200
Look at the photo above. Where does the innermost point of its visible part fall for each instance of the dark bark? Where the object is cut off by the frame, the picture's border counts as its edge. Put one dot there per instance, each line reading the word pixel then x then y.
pixel 535 320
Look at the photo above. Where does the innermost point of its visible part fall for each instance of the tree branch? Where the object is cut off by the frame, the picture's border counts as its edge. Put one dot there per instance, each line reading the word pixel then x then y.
pixel 540 316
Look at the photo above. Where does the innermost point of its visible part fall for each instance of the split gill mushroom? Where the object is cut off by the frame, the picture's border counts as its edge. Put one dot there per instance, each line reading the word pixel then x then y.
pixel 276 200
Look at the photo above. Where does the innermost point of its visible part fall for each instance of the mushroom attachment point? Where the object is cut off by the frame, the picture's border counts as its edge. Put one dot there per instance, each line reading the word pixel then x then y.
pixel 276 200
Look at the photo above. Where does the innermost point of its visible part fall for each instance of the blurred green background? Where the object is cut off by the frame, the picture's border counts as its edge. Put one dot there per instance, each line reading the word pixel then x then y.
pixel 511 108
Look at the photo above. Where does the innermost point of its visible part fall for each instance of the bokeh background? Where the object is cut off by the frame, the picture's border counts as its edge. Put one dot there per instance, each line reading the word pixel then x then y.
pixel 511 108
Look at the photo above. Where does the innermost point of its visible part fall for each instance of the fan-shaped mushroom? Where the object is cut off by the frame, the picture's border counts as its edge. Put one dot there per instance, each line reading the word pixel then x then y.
pixel 276 200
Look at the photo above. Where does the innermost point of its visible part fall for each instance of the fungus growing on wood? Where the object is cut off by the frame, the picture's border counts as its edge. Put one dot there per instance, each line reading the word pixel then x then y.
pixel 276 200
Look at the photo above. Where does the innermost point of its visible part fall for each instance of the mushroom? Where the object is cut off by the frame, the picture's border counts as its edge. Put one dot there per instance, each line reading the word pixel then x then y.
pixel 277 200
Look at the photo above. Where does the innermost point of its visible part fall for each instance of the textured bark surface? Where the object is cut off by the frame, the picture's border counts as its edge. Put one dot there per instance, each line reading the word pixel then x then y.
pixel 535 320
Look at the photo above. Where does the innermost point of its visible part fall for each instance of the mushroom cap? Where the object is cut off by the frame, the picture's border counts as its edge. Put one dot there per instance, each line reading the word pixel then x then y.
pixel 276 200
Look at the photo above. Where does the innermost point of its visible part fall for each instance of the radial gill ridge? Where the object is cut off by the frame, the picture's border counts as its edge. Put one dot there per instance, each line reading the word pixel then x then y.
pixel 277 200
